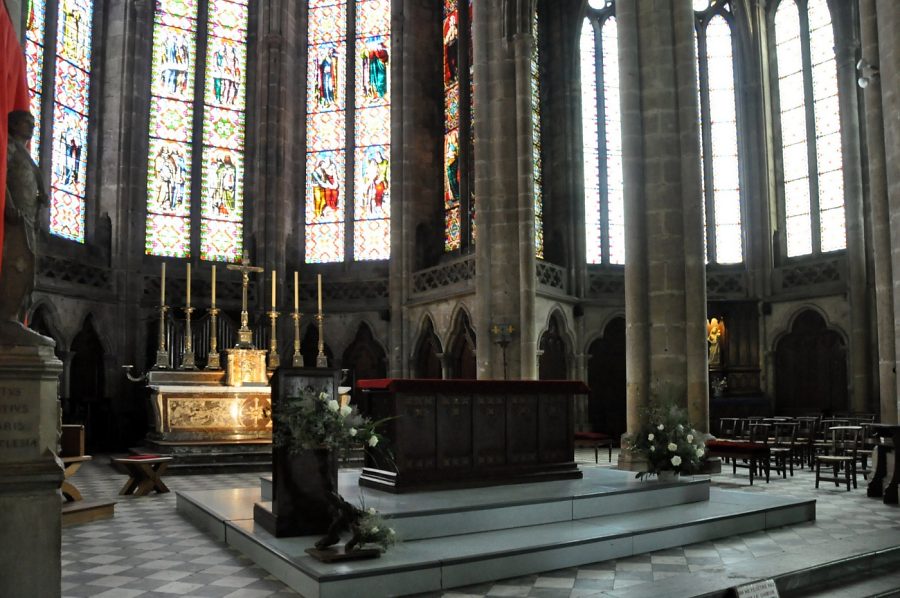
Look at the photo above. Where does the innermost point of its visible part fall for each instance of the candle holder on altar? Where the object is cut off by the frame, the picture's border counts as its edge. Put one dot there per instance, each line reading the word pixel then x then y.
pixel 187 359
pixel 162 354
pixel 213 360
pixel 274 360
pixel 321 358
pixel 297 359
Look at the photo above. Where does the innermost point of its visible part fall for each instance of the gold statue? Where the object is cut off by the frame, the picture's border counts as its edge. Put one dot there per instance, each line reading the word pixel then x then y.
pixel 715 331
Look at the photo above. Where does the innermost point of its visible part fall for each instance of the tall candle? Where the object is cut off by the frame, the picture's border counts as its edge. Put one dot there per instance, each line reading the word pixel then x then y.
pixel 189 284
pixel 320 292
pixel 273 290
pixel 296 291
pixel 162 286
pixel 214 286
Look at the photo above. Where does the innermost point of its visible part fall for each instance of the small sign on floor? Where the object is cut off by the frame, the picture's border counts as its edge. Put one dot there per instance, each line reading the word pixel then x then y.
pixel 757 589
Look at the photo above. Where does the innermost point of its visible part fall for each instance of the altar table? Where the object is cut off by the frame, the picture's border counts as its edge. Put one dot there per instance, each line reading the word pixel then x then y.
pixel 443 434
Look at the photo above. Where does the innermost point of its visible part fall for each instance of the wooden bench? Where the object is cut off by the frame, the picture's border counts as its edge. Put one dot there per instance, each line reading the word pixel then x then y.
pixel 71 452
pixel 596 441
pixel 144 474
pixel 756 453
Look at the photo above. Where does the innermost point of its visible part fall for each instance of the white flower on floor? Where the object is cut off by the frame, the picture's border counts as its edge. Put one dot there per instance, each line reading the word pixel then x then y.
pixel 650 436
pixel 676 460
pixel 660 427
pixel 333 405
pixel 672 447
pixel 690 438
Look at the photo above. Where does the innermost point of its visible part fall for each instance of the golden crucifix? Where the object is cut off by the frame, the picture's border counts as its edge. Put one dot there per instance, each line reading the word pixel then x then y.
pixel 245 335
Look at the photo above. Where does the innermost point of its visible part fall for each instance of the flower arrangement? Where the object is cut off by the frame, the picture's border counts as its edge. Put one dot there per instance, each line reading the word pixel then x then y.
pixel 313 420
pixel 371 528
pixel 668 442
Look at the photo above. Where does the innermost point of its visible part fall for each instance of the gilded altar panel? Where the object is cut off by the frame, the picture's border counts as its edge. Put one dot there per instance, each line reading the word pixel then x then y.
pixel 235 414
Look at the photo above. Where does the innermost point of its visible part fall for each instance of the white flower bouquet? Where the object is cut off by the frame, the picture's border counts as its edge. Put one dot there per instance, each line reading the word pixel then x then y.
pixel 314 420
pixel 668 442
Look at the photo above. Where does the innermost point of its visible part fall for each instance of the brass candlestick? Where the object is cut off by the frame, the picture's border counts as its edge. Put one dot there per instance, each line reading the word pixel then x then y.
pixel 321 359
pixel 187 360
pixel 274 361
pixel 162 355
pixel 297 360
pixel 212 361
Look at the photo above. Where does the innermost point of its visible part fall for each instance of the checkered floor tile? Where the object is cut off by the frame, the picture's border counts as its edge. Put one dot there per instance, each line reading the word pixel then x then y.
pixel 149 550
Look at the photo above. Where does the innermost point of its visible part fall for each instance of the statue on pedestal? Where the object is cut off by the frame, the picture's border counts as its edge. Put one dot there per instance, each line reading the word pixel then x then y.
pixel 24 197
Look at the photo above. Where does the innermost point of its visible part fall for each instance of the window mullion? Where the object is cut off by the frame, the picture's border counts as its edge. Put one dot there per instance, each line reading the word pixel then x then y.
pixel 349 137
pixel 706 150
pixel 602 162
pixel 815 232
pixel 197 130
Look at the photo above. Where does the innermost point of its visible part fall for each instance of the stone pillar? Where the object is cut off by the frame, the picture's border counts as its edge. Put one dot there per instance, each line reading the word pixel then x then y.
pixel 665 286
pixel 847 42
pixel 888 62
pixel 879 216
pixel 30 473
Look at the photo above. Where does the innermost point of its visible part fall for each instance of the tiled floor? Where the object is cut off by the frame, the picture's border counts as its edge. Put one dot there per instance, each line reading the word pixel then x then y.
pixel 149 550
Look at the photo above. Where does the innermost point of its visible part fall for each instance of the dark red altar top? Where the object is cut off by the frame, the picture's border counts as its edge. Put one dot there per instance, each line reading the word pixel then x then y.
pixel 475 386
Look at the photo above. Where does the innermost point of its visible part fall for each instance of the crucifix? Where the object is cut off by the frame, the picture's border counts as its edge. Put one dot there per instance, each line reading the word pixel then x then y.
pixel 245 335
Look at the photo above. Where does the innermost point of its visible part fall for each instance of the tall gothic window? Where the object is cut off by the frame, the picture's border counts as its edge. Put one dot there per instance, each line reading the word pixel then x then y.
pixel 459 125
pixel 195 172
pixel 348 142
pixel 812 160
pixel 536 143
pixel 604 208
pixel 718 127
pixel 65 55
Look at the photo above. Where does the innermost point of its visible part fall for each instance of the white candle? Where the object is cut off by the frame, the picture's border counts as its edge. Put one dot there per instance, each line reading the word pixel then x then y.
pixel 296 291
pixel 189 284
pixel 162 286
pixel 214 286
pixel 273 290
pixel 319 276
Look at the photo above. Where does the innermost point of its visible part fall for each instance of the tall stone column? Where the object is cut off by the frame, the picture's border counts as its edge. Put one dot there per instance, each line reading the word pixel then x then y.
pixel 665 286
pixel 879 216
pixel 887 243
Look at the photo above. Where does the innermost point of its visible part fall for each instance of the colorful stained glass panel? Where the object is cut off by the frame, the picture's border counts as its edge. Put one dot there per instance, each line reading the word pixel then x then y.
pixel 325 243
pixel 67 216
pixel 373 71
pixel 373 17
pixel 372 182
pixel 171 118
pixel 173 63
pixel 452 238
pixel 325 130
pixel 225 73
pixel 223 173
pixel 224 128
pixel 169 178
pixel 221 241
pixel 613 129
pixel 177 13
pixel 74 32
pixel 372 125
pixel 372 240
pixel 325 77
pixel 72 85
pixel 170 236
pixel 325 201
pixel 230 20
pixel 34 65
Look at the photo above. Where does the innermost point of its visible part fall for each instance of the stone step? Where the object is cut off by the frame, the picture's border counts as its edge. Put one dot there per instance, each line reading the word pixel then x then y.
pixel 85 511
pixel 448 557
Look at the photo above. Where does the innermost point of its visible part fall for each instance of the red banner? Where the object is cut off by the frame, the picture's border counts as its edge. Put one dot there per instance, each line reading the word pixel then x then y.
pixel 13 96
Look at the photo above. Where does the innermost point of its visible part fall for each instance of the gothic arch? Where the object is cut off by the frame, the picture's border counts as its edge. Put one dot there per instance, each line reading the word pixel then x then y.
pixel 43 317
pixel 365 357
pixel 606 378
pixel 555 346
pixel 811 367
pixel 309 347
pixel 461 346
pixel 87 402
pixel 426 362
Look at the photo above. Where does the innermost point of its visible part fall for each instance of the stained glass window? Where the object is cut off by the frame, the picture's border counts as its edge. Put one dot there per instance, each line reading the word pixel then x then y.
pixel 34 56
pixel 536 144
pixel 813 193
pixel 718 125
pixel 459 116
pixel 69 55
pixel 604 207
pixel 216 151
pixel 348 42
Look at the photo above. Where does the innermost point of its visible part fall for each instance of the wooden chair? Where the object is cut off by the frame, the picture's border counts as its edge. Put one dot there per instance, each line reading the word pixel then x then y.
pixel 783 448
pixel 842 454
pixel 71 452
pixel 729 427
pixel 758 437
pixel 596 441
pixel 804 438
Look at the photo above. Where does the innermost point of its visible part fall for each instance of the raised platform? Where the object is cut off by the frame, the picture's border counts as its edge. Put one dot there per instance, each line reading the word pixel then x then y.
pixel 459 537
pixel 190 457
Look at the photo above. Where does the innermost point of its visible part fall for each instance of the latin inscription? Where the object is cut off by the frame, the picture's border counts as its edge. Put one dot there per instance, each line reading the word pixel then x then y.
pixel 19 435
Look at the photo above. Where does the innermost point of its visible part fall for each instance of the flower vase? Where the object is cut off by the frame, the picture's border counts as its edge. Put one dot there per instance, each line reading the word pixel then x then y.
pixel 303 484
pixel 667 475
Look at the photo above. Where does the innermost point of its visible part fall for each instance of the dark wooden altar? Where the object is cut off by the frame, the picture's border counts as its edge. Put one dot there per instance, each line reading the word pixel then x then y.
pixel 885 464
pixel 462 433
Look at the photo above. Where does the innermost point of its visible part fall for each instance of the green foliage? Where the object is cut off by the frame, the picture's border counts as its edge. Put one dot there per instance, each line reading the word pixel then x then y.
pixel 372 528
pixel 316 421
pixel 668 442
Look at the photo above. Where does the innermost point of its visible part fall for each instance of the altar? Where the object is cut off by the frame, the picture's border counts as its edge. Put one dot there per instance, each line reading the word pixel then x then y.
pixel 459 433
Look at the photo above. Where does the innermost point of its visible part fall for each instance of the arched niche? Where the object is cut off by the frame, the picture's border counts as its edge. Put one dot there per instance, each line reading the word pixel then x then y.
pixel 461 350
pixel 426 358
pixel 365 357
pixel 87 403
pixel 606 378
pixel 810 368
pixel 553 363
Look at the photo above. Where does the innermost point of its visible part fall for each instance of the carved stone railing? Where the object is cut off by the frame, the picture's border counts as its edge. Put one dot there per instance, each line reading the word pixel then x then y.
pixel 605 282
pixel 550 275
pixel 59 272
pixel 797 276
pixel 452 273
pixel 726 283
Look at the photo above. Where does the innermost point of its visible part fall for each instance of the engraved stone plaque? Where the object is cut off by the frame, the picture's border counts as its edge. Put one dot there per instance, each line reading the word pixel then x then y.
pixel 19 423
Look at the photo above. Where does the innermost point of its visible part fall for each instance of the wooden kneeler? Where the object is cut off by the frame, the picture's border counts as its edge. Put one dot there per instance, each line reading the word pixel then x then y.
pixel 144 474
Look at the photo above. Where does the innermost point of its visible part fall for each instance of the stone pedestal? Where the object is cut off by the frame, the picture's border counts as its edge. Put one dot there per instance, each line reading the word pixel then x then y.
pixel 30 472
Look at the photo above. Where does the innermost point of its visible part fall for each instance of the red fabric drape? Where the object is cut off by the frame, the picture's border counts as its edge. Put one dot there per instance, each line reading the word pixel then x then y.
pixel 13 96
